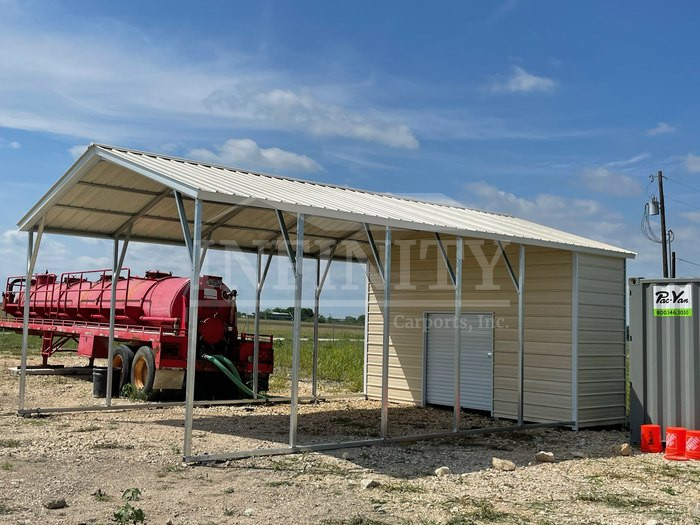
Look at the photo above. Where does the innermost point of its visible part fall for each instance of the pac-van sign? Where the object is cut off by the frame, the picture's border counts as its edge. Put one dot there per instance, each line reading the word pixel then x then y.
pixel 673 300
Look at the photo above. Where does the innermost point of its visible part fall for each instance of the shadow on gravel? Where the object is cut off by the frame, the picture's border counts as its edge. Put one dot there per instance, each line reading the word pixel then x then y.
pixel 256 427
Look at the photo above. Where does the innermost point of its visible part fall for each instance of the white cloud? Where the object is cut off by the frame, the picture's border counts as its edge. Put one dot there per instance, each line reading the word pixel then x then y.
pixel 603 180
pixel 521 81
pixel 692 163
pixel 693 216
pixel 77 150
pixel 627 162
pixel 585 217
pixel 591 219
pixel 11 144
pixel 109 85
pixel 246 153
pixel 660 129
pixel 301 110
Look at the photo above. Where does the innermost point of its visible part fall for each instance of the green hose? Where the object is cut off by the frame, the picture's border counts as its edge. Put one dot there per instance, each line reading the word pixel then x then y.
pixel 230 371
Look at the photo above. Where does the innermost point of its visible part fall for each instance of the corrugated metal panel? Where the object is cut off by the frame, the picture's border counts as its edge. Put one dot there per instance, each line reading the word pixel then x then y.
pixel 476 384
pixel 212 183
pixel 664 359
pixel 547 361
pixel 601 341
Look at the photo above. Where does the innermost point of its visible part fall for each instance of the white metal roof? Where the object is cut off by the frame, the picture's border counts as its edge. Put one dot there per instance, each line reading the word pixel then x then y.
pixel 109 186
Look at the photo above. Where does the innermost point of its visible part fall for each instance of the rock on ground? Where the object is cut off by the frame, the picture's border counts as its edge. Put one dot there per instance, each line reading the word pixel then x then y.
pixel 369 484
pixel 55 503
pixel 695 510
pixel 544 457
pixel 623 450
pixel 502 464
pixel 442 471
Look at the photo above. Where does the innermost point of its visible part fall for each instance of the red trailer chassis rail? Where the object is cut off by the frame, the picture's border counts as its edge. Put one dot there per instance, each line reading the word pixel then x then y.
pixel 170 347
pixel 92 339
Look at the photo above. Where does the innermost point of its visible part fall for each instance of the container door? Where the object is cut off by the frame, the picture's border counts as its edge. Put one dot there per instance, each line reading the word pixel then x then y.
pixel 477 360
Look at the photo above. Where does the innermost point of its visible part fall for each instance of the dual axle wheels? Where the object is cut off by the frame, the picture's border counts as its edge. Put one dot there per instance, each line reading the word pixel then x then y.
pixel 138 368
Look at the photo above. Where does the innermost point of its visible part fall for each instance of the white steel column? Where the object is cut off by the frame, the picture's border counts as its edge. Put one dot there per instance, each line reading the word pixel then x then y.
pixel 458 337
pixel 456 279
pixel 521 335
pixel 261 275
pixel 32 253
pixel 320 281
pixel 193 314
pixel 298 265
pixel 385 338
pixel 317 306
pixel 117 264
pixel 574 339
pixel 366 345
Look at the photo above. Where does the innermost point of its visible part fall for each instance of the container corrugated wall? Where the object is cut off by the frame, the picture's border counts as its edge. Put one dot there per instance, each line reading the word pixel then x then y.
pixel 664 359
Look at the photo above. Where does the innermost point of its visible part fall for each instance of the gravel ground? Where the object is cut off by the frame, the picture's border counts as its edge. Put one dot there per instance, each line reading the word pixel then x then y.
pixel 75 456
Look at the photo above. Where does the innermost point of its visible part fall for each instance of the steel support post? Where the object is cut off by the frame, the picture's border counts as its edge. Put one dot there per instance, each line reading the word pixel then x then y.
pixel 32 253
pixel 117 264
pixel 256 323
pixel 458 336
pixel 317 306
pixel 521 334
pixel 385 336
pixel 261 275
pixel 298 264
pixel 193 314
pixel 574 338
pixel 112 322
pixel 366 334
pixel 320 281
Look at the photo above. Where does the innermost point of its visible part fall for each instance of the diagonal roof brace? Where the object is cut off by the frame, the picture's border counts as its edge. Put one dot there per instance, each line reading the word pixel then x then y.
pixel 185 225
pixel 287 240
pixel 446 259
pixel 511 272
pixel 375 252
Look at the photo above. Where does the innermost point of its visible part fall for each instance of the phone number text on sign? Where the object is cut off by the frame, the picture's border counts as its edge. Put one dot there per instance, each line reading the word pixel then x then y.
pixel 673 300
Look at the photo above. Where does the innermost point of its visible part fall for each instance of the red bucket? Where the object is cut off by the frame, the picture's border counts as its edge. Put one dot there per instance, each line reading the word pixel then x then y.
pixel 651 438
pixel 692 444
pixel 675 443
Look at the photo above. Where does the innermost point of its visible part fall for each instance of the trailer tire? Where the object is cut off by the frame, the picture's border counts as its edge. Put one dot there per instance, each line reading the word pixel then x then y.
pixel 143 370
pixel 121 360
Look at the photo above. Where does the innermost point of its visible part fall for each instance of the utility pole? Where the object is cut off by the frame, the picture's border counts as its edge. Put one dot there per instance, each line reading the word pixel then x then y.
pixel 664 236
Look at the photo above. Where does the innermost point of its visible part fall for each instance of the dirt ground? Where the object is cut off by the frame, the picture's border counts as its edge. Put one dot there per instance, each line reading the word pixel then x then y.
pixel 90 459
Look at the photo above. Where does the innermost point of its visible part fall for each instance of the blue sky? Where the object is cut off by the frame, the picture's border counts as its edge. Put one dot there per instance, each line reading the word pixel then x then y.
pixel 556 112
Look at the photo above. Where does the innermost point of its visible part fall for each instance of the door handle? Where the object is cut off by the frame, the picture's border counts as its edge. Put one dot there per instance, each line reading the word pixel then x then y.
pixel 490 354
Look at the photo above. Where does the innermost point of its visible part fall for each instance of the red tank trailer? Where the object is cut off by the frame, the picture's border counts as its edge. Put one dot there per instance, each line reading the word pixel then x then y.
pixel 151 325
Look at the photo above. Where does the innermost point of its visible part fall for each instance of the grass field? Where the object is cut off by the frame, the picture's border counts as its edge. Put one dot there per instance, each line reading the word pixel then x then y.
pixel 11 344
pixel 340 360
pixel 340 363
pixel 284 329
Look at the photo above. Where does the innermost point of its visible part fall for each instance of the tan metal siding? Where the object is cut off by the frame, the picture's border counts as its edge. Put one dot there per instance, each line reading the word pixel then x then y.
pixel 601 336
pixel 415 291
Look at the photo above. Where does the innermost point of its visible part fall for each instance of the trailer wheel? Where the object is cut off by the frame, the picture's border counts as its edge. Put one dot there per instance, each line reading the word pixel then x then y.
pixel 121 360
pixel 143 370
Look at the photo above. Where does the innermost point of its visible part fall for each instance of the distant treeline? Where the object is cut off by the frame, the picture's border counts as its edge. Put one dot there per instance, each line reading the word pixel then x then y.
pixel 307 314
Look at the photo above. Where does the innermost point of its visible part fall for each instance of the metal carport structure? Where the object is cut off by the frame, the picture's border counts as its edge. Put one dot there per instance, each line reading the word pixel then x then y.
pixel 172 200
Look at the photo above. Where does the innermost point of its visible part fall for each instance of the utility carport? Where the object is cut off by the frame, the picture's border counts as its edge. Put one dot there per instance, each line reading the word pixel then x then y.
pixel 557 300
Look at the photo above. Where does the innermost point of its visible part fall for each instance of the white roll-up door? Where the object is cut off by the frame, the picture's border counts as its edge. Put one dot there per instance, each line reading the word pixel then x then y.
pixel 476 364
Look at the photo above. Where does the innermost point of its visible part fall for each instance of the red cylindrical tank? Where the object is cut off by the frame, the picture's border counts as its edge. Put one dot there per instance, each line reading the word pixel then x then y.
pixel 157 300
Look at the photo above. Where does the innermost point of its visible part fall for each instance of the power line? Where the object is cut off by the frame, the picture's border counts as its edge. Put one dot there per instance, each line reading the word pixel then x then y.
pixel 683 203
pixel 684 184
pixel 688 262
